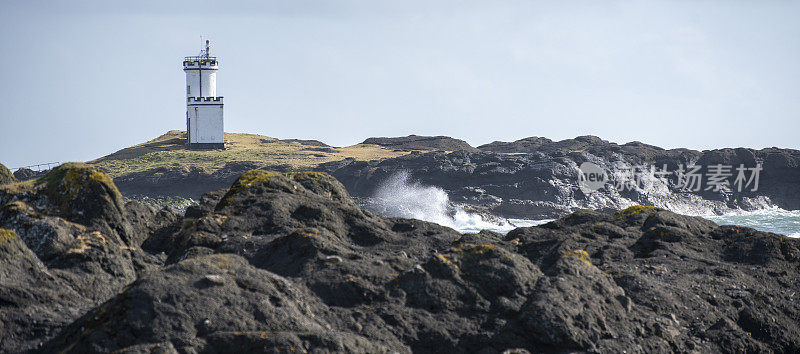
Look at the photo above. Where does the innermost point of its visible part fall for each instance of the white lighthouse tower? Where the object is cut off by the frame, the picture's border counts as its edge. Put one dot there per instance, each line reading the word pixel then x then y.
pixel 204 125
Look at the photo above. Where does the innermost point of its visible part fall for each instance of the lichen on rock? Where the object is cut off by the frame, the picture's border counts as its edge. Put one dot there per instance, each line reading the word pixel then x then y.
pixel 580 255
pixel 7 236
pixel 6 176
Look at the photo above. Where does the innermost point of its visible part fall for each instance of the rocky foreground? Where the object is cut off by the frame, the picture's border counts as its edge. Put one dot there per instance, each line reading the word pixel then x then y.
pixel 287 262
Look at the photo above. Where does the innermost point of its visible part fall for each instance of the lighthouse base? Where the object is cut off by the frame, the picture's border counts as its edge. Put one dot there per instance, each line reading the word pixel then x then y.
pixel 207 146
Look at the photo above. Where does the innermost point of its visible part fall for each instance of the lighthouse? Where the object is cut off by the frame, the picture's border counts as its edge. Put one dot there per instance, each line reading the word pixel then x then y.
pixel 204 124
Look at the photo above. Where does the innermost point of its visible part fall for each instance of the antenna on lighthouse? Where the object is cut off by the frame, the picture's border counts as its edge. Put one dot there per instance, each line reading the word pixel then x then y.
pixel 208 48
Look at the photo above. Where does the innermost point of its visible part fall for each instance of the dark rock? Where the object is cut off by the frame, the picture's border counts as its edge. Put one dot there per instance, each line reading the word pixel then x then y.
pixel 527 145
pixel 306 142
pixel 34 303
pixel 80 244
pixel 24 174
pixel 253 300
pixel 311 342
pixel 416 142
pixel 187 182
pixel 578 306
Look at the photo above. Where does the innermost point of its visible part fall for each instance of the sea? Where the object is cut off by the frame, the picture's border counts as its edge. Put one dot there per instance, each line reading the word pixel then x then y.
pixel 779 221
pixel 401 197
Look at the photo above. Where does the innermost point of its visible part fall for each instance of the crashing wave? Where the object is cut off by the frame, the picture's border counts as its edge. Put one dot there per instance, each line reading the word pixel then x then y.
pixel 398 196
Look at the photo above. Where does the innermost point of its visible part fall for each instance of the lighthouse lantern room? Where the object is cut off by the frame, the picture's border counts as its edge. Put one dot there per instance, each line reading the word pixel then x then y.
pixel 204 124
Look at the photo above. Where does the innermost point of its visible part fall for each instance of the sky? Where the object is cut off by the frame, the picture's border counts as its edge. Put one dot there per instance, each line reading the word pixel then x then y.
pixel 82 79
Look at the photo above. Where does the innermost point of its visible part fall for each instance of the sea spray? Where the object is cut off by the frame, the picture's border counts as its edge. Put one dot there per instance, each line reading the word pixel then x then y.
pixel 398 196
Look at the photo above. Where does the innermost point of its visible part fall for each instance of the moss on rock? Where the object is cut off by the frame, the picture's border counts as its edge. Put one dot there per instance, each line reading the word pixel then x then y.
pixel 5 175
pixel 320 183
pixel 289 182
pixel 472 250
pixel 637 209
pixel 77 192
pixel 244 182
pixel 67 183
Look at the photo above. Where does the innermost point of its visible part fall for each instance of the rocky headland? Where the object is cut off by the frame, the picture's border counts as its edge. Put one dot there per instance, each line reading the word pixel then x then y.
pixel 532 178
pixel 287 262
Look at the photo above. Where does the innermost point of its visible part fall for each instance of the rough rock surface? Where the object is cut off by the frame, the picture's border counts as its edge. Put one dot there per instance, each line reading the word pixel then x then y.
pixel 416 142
pixel 288 262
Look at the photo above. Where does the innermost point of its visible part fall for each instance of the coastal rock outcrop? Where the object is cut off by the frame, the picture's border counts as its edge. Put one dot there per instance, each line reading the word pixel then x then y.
pixel 531 178
pixel 289 262
pixel 536 178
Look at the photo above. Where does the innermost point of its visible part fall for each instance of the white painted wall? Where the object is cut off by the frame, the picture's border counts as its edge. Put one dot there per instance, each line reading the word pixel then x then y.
pixel 209 83
pixel 205 121
pixel 193 83
pixel 206 124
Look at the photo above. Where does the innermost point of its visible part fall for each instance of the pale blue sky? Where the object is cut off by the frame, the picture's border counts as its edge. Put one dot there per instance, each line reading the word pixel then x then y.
pixel 82 79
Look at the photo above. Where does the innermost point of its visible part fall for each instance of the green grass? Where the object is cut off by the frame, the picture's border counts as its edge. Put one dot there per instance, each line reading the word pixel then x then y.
pixel 169 151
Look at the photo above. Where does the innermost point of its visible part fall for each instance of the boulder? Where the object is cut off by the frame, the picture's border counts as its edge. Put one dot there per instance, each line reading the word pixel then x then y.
pixel 6 176
pixel 72 246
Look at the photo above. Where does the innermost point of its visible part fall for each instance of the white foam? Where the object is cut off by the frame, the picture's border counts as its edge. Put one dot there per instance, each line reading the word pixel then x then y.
pixel 398 196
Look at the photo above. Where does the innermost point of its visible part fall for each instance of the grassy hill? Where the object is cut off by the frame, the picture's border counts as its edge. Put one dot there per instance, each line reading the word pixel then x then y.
pixel 169 151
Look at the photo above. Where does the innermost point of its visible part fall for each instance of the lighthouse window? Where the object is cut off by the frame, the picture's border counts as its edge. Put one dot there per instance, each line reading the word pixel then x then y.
pixel 188 90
